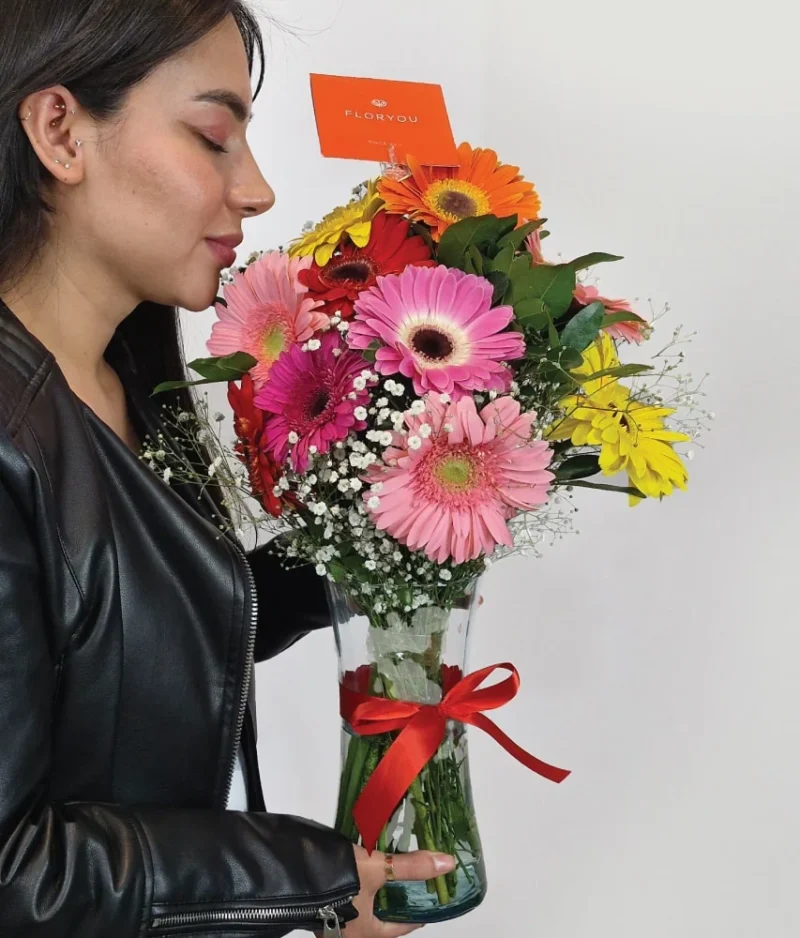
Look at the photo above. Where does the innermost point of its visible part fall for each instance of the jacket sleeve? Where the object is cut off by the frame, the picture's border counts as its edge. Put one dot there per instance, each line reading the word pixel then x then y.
pixel 95 869
pixel 291 603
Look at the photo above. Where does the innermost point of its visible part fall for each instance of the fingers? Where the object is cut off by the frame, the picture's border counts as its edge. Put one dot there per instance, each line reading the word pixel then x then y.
pixel 419 865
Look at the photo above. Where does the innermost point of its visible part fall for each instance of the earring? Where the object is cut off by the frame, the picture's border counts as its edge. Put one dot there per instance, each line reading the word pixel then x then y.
pixel 23 119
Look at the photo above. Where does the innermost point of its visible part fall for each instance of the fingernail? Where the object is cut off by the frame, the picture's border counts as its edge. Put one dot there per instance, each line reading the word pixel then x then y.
pixel 443 863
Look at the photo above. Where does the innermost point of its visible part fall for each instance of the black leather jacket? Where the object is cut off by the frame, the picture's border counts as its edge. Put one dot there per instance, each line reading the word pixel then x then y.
pixel 128 630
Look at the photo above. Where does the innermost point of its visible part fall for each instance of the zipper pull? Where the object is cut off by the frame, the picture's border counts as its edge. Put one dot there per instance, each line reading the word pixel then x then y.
pixel 330 922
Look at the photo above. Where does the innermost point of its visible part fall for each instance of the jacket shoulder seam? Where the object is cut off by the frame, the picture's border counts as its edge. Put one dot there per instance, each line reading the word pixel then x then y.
pixel 26 398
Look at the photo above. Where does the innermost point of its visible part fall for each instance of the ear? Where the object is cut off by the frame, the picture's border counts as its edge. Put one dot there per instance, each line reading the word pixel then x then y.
pixel 52 120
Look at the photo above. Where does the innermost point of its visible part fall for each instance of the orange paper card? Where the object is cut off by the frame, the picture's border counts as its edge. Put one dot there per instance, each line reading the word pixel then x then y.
pixel 383 121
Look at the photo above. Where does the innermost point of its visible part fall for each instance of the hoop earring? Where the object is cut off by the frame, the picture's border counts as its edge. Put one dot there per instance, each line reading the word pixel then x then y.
pixel 23 119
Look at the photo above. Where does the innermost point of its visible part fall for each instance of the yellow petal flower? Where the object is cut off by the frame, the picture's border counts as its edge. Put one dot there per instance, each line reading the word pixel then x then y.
pixel 353 219
pixel 631 435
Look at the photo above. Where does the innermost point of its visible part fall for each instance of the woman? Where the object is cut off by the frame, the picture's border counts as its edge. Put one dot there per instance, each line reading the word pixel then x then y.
pixel 128 624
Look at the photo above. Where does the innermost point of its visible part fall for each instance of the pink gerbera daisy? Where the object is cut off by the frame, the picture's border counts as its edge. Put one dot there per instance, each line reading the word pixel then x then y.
pixel 268 310
pixel 627 331
pixel 452 492
pixel 308 394
pixel 437 326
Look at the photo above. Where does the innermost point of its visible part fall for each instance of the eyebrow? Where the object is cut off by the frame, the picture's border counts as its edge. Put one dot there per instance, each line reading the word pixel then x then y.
pixel 228 99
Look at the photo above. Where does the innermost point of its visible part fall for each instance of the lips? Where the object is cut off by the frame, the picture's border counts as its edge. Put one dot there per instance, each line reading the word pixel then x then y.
pixel 230 241
pixel 224 253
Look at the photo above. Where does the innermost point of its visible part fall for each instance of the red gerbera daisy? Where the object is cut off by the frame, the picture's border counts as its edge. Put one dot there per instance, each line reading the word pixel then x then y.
pixel 389 250
pixel 248 422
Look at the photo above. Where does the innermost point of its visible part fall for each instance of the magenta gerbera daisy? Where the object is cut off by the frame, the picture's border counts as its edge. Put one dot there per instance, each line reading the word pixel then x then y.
pixel 308 394
pixel 437 326
pixel 452 491
pixel 268 310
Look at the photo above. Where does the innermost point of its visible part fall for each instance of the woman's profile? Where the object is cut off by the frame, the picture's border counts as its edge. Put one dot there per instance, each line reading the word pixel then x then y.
pixel 130 797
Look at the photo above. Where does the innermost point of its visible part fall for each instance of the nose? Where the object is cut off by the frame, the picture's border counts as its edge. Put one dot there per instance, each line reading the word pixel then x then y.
pixel 252 195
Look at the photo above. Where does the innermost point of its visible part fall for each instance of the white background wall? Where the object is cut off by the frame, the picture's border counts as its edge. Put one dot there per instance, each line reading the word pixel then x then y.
pixel 659 648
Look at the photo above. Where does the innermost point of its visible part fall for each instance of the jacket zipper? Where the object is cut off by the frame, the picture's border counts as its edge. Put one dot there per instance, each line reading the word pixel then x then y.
pixel 160 426
pixel 273 916
pixel 251 644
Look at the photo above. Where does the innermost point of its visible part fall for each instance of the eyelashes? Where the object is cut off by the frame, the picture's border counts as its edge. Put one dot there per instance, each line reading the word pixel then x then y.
pixel 214 147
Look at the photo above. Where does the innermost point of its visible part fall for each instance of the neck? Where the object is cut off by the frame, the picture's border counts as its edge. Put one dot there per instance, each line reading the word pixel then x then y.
pixel 74 314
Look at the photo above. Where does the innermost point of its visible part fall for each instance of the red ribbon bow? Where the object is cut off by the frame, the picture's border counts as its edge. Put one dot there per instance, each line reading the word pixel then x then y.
pixel 424 727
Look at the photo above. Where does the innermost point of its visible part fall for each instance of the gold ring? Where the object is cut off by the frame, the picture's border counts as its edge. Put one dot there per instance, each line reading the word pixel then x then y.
pixel 389 867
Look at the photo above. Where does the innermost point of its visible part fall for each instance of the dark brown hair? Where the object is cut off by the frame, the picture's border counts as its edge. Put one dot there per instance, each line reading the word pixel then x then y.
pixel 100 50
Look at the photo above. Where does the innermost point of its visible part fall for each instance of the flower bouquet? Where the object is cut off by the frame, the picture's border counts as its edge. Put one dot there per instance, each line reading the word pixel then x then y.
pixel 417 391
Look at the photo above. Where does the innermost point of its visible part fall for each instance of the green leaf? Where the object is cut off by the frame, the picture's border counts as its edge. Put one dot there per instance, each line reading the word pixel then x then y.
pixel 337 570
pixel 565 356
pixel 516 238
pixel 621 317
pixel 526 309
pixel 582 329
pixel 214 371
pixel 578 467
pixel 370 353
pixel 481 231
pixel 533 313
pixel 552 334
pixel 500 282
pixel 554 284
pixel 625 490
pixel 227 368
pixel 508 224
pixel 475 260
pixel 503 260
pixel 621 371
pixel 589 260
pixel 424 232
pixel 174 385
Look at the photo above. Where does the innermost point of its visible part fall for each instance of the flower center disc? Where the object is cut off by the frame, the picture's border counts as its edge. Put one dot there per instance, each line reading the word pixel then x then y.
pixel 351 271
pixel 273 342
pixel 432 344
pixel 455 473
pixel 454 199
pixel 317 404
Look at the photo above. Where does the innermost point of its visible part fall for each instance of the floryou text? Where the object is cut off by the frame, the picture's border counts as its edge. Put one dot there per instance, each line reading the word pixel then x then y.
pixel 372 116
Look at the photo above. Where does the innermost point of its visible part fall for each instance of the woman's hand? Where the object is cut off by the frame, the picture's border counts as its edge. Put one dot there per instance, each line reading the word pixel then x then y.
pixel 419 865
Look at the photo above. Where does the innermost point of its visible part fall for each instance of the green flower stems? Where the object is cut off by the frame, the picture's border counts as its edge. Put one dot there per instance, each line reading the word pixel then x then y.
pixel 438 800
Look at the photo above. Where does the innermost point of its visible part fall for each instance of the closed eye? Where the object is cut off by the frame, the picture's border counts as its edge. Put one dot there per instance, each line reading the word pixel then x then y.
pixel 212 145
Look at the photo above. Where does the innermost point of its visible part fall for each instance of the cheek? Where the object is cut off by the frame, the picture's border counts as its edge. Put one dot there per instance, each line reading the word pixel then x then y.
pixel 174 186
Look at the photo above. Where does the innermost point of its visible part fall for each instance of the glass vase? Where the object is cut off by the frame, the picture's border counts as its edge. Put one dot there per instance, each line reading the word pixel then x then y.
pixel 413 656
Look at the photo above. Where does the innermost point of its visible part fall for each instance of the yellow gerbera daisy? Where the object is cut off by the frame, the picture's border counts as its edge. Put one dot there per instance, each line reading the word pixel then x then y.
pixel 353 219
pixel 479 185
pixel 631 435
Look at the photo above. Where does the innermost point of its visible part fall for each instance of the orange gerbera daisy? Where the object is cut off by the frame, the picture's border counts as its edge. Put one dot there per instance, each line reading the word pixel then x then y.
pixel 479 185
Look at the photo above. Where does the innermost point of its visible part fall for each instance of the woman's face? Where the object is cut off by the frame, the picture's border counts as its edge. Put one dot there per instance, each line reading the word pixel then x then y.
pixel 157 185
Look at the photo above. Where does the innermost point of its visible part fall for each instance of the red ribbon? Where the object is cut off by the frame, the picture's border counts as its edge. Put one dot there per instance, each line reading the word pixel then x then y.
pixel 424 727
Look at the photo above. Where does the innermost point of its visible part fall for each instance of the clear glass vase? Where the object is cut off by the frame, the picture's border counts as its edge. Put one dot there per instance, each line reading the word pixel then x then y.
pixel 415 656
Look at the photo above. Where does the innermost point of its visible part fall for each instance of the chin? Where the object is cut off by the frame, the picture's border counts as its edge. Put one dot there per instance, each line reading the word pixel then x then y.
pixel 197 300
